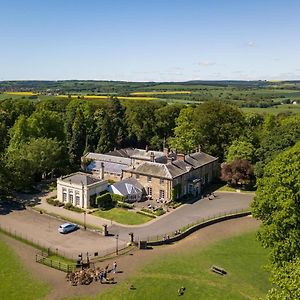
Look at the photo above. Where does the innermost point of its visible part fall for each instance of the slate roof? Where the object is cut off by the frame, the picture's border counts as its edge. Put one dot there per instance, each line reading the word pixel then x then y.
pixel 174 168
pixel 199 159
pixel 178 167
pixel 152 169
pixel 108 158
pixel 81 178
pixel 128 186
pixel 108 167
pixel 126 152
pixel 138 154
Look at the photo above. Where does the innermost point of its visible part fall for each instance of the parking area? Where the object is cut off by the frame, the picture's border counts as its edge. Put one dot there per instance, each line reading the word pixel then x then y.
pixel 43 230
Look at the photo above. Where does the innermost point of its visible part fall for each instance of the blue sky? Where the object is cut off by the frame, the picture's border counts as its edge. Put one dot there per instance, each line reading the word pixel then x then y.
pixel 154 40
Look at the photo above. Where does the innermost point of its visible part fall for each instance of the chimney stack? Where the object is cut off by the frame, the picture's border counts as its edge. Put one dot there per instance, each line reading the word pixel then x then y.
pixel 147 148
pixel 180 156
pixel 199 148
pixel 101 171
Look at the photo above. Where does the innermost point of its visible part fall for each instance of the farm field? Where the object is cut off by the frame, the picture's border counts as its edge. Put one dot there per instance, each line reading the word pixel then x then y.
pixel 107 96
pixel 122 216
pixel 160 93
pixel 16 282
pixel 285 108
pixel 252 96
pixel 241 256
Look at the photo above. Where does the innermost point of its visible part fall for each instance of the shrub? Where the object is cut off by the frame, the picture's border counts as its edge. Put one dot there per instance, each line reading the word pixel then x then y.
pixel 141 212
pixel 105 201
pixel 117 198
pixel 158 212
pixel 125 205
pixel 53 201
pixel 69 206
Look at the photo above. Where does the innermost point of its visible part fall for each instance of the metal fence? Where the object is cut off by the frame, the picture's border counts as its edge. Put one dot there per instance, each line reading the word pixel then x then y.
pixel 43 258
pixel 185 228
pixel 93 254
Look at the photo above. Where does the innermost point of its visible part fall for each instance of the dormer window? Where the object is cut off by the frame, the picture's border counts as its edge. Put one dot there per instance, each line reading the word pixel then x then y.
pixel 149 178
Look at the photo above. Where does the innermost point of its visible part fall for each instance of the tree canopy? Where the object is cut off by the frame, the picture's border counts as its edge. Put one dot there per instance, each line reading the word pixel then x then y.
pixel 217 125
pixel 240 149
pixel 276 204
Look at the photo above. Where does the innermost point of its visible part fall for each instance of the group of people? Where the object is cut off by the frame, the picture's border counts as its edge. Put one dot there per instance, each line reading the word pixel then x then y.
pixel 103 272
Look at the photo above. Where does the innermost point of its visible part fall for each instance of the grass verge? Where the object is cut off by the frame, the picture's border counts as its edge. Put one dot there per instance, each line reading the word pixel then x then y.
pixel 242 257
pixel 16 282
pixel 122 216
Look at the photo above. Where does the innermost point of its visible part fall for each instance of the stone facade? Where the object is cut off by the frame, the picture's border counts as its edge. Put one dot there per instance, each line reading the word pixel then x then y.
pixel 155 187
pixel 187 175
pixel 163 175
pixel 77 189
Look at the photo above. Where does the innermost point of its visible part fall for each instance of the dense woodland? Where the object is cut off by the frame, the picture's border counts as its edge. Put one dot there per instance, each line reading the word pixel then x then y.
pixel 48 138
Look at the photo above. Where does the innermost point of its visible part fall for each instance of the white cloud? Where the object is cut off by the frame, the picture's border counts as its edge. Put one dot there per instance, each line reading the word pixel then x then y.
pixel 206 63
pixel 250 44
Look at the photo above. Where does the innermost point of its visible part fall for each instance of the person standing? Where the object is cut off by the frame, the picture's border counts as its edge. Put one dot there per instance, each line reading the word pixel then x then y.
pixel 115 267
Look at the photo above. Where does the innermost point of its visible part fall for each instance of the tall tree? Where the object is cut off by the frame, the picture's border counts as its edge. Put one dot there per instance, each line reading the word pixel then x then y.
pixel 118 122
pixel 285 279
pixel 165 122
pixel 106 140
pixel 279 138
pixel 185 135
pixel 276 204
pixel 217 125
pixel 240 149
pixel 140 118
pixel 77 143
pixel 48 124
pixel 33 159
pixel 19 133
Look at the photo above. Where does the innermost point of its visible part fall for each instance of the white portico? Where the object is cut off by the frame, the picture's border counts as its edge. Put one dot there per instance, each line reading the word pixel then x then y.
pixel 77 188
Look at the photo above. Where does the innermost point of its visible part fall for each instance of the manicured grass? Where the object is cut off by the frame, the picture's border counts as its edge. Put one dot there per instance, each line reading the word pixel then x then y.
pixel 122 216
pixel 242 257
pixel 226 188
pixel 16 282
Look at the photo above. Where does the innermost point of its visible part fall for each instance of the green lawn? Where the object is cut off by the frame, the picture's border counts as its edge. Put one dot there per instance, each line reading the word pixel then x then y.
pixel 226 188
pixel 122 216
pixel 16 282
pixel 241 256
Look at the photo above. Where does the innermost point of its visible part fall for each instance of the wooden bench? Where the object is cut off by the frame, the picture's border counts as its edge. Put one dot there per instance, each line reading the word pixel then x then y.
pixel 218 270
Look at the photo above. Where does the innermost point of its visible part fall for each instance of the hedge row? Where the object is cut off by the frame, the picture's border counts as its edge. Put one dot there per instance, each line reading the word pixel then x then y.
pixel 146 214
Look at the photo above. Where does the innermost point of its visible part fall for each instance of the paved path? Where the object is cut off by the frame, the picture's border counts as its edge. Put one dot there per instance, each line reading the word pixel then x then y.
pixel 224 202
pixel 42 229
pixel 188 214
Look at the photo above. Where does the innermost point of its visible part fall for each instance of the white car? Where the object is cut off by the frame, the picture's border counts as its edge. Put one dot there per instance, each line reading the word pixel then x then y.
pixel 67 227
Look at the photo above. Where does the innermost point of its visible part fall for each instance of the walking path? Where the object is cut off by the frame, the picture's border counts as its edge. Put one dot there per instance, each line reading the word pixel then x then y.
pixel 223 203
